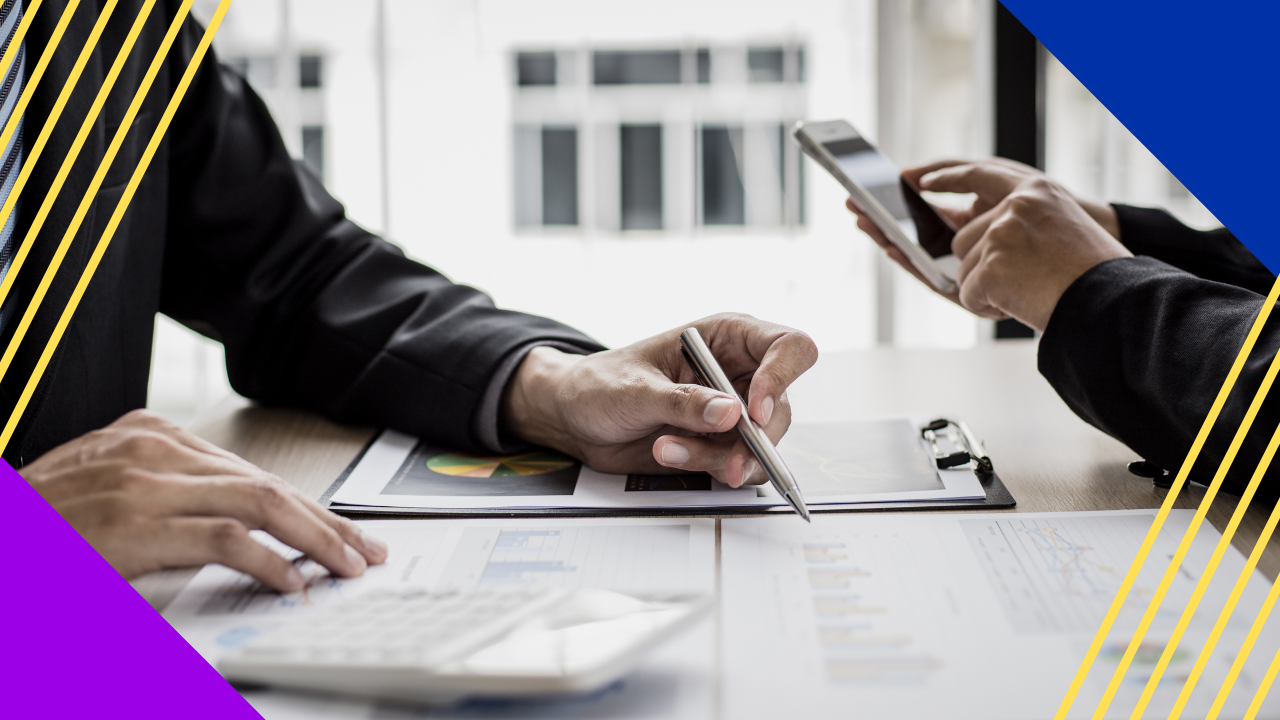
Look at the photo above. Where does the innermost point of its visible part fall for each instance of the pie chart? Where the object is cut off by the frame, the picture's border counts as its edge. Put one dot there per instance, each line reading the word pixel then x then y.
pixel 430 471
pixel 538 462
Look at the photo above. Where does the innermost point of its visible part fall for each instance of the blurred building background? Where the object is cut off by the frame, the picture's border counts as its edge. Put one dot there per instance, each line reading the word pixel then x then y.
pixel 627 168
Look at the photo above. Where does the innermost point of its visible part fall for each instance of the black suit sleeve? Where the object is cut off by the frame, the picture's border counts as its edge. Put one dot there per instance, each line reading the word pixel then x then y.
pixel 1210 254
pixel 314 311
pixel 1140 349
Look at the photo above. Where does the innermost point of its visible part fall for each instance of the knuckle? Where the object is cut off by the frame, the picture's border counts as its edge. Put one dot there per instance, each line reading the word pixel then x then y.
pixel 1023 201
pixel 226 536
pixel 345 528
pixel 327 543
pixel 1001 231
pixel 333 542
pixel 143 443
pixel 142 417
pixel 270 495
pixel 681 397
pixel 1041 184
pixel 808 348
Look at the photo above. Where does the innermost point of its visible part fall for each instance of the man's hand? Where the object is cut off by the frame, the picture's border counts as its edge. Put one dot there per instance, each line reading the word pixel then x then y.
pixel 1022 241
pixel 1019 257
pixel 639 408
pixel 990 181
pixel 148 495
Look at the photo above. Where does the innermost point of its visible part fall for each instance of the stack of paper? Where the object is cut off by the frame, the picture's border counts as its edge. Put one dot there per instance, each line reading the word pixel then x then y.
pixel 870 461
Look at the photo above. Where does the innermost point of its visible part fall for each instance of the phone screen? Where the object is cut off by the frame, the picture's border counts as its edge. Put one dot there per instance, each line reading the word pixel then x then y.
pixel 868 167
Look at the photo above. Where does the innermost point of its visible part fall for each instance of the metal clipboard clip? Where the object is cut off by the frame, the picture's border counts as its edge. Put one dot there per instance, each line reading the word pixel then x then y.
pixel 960 436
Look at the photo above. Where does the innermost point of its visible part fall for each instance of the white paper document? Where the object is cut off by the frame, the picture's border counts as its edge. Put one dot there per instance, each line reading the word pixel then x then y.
pixel 865 461
pixel 967 616
pixel 221 609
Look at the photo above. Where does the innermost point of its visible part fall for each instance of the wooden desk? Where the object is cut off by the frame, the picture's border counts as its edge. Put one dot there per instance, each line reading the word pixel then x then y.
pixel 1049 459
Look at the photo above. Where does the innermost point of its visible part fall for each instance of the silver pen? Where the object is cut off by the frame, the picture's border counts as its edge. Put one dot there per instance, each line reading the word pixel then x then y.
pixel 710 374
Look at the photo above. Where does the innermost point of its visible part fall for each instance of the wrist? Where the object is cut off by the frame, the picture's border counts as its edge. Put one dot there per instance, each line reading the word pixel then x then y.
pixel 1104 215
pixel 530 407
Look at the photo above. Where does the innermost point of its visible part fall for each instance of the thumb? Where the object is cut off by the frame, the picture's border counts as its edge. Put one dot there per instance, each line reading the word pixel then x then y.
pixel 691 407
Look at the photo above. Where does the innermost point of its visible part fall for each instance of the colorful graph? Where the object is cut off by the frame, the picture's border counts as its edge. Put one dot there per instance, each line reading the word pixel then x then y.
pixel 1060 574
pixel 524 464
pixel 1075 566
pixel 429 470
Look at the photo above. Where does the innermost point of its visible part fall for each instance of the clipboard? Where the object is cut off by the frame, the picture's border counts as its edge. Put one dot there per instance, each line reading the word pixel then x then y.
pixel 997 496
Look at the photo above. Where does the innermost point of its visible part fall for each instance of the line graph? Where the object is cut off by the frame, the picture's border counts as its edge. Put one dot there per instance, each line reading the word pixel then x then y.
pixel 1076 566
pixel 1056 574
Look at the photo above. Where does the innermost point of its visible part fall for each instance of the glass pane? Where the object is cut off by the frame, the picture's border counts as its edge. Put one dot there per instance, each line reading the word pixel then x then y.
pixel 535 68
pixel 313 148
pixel 641 156
pixel 559 176
pixel 704 65
pixel 764 64
pixel 309 67
pixel 528 175
pixel 259 70
pixel 634 68
pixel 722 196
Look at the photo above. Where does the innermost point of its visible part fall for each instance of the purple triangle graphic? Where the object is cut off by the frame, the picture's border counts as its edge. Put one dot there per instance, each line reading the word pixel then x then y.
pixel 79 641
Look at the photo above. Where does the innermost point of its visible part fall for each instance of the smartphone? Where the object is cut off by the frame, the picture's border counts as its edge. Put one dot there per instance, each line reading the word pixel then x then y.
pixel 878 188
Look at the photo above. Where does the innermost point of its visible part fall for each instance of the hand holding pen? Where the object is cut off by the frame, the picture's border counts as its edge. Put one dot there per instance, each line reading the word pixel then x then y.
pixel 709 373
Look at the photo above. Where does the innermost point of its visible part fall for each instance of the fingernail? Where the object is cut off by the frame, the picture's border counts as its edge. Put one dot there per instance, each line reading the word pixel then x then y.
pixel 294 580
pixel 373 544
pixel 355 561
pixel 674 453
pixel 748 469
pixel 718 409
pixel 766 409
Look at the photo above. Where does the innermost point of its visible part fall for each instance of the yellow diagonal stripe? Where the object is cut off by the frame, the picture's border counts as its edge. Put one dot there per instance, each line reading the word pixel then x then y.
pixel 116 216
pixel 1245 649
pixel 19 34
pixel 126 123
pixel 1123 593
pixel 33 81
pixel 1153 606
pixel 29 162
pixel 1241 581
pixel 1263 689
pixel 1224 543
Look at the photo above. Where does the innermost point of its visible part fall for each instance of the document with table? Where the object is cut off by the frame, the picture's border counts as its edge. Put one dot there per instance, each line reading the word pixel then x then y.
pixel 966 616
pixel 867 461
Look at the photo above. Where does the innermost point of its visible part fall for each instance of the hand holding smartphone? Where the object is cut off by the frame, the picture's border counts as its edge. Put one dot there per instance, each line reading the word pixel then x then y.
pixel 876 185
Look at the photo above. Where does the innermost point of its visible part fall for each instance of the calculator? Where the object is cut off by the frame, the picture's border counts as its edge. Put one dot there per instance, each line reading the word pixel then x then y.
pixel 440 646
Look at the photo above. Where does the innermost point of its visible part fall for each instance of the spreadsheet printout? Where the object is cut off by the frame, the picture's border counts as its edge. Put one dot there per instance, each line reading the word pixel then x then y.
pixel 968 615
